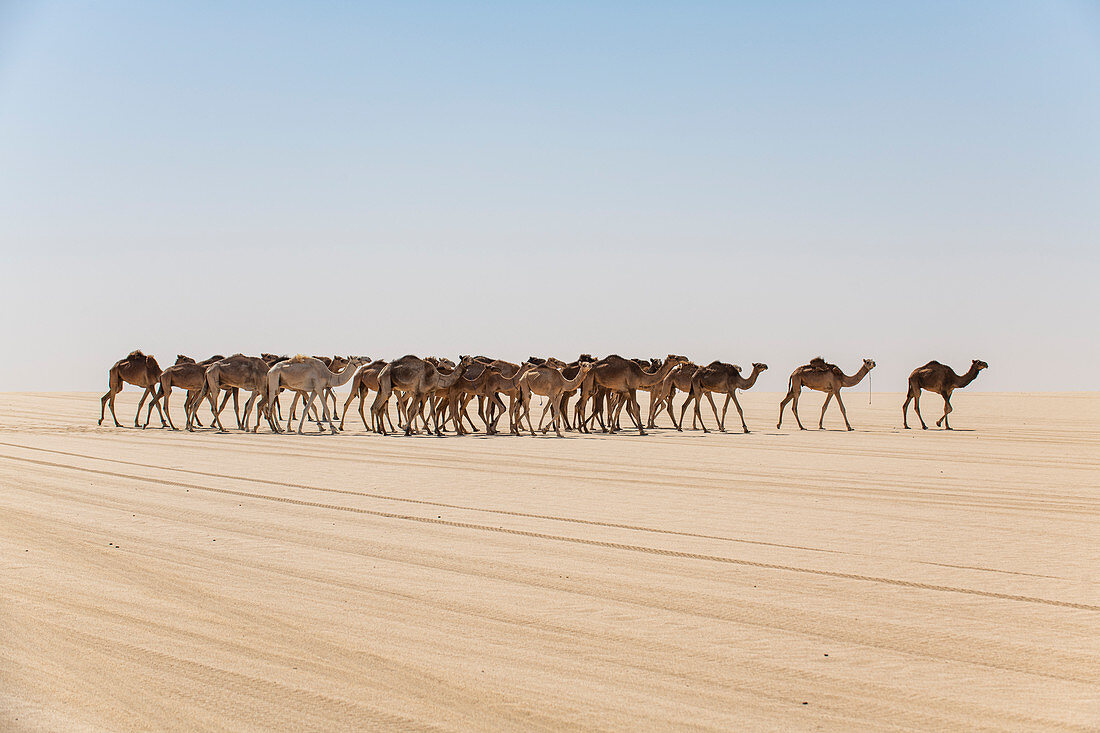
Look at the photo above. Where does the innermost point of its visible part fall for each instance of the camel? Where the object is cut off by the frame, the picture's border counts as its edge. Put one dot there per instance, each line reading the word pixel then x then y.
pixel 335 364
pixel 364 381
pixel 481 380
pixel 247 373
pixel 824 377
pixel 310 376
pixel 660 396
pixel 505 381
pixel 550 382
pixel 724 379
pixel 186 374
pixel 941 379
pixel 137 369
pixel 623 376
pixel 419 378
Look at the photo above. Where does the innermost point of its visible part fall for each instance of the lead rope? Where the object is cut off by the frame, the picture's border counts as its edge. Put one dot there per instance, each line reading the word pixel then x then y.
pixel 868 389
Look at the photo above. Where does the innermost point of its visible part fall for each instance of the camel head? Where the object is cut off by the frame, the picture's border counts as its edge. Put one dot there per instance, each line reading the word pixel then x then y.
pixel 676 359
pixel 978 365
pixel 181 359
pixel 869 363
pixel 759 367
pixel 586 357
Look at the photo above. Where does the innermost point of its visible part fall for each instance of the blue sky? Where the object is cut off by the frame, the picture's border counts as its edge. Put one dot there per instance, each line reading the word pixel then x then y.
pixel 750 182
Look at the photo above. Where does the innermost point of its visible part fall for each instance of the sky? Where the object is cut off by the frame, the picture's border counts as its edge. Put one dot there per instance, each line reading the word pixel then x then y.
pixel 737 181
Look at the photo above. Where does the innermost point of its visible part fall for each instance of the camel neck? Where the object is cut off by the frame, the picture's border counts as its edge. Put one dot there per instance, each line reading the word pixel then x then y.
pixel 855 378
pixel 748 383
pixel 967 378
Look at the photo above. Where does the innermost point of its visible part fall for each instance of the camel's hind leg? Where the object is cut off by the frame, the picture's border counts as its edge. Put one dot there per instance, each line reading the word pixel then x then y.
pixel 905 407
pixel 828 399
pixel 166 394
pixel 696 415
pixel 355 392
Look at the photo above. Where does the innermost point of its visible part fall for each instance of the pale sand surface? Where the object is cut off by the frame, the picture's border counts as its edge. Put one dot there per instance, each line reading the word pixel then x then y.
pixel 881 579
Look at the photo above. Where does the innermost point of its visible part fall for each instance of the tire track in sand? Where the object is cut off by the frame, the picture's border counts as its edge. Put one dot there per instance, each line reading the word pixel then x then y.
pixel 577 540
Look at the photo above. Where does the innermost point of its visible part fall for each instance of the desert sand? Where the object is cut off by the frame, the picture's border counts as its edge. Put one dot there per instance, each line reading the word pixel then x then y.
pixel 879 579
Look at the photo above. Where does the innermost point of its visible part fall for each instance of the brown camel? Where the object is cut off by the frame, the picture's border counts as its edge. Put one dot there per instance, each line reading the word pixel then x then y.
pixel 942 380
pixel 625 377
pixel 185 374
pixel 417 377
pixel 481 380
pixel 137 369
pixel 506 382
pixel 550 382
pixel 364 382
pixel 660 396
pixel 824 377
pixel 310 376
pixel 724 379
pixel 244 372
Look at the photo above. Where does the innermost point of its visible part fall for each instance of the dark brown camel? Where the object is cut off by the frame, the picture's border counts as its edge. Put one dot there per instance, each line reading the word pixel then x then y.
pixel 136 369
pixel 725 379
pixel 942 380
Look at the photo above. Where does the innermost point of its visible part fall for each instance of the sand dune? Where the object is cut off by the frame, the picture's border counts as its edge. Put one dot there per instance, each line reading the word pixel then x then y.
pixel 881 579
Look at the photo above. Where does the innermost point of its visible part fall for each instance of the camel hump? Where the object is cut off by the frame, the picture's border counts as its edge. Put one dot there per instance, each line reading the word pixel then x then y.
pixel 135 354
pixel 298 358
pixel 818 362
pixel 932 363
pixel 715 363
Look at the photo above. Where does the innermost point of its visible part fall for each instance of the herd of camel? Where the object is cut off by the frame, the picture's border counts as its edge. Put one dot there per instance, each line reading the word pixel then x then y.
pixel 432 392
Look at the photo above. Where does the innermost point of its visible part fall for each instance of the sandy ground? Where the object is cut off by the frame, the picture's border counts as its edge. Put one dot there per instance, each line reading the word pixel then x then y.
pixel 881 579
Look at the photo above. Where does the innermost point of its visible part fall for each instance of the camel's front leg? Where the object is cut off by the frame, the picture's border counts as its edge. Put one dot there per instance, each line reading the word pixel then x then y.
pixel 714 408
pixel 740 412
pixel 842 410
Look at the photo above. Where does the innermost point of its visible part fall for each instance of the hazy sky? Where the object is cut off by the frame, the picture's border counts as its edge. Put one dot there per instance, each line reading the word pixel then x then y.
pixel 749 182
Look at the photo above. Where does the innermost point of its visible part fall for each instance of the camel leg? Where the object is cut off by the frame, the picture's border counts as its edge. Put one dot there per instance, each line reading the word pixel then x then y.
pixel 905 407
pixel 828 398
pixel 103 406
pixel 683 410
pixel 294 407
pixel 195 400
pixel 655 405
pixel 783 404
pixel 842 410
pixel 725 406
pixel 916 407
pixel 378 407
pixel 327 416
pixel 305 411
pixel 710 399
pixel 693 396
pixel 635 411
pixel 794 409
pixel 740 412
pixel 555 409
pixel 212 396
pixel 946 411
pixel 355 392
pixel 248 410
pixel 141 403
pixel 149 412
pixel 168 393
